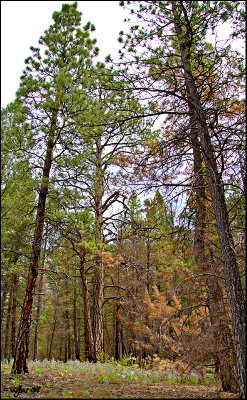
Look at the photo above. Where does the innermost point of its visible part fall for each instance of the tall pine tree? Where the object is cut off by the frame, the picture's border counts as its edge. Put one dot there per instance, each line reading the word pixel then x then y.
pixel 46 91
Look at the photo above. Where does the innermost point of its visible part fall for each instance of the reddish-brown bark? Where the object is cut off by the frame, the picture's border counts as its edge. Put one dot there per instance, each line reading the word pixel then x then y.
pixel 22 343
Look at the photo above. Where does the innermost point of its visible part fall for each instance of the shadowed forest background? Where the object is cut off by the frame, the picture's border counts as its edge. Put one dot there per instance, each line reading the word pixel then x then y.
pixel 123 196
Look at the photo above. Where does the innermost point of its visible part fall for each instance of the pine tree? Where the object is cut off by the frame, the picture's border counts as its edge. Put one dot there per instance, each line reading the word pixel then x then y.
pixel 186 22
pixel 46 92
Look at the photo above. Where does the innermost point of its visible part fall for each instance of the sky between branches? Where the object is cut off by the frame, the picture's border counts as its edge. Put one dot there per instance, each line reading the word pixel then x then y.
pixel 23 22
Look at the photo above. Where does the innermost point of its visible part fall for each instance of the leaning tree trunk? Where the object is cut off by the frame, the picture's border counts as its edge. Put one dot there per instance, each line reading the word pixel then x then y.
pixel 229 259
pixel 227 362
pixel 22 343
pixel 218 316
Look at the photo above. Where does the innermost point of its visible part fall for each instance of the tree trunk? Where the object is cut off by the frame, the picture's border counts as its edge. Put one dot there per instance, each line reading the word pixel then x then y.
pixel 5 287
pixel 22 343
pixel 4 292
pixel 89 347
pixel 225 350
pixel 47 345
pixel 65 349
pixel 67 322
pixel 61 350
pixel 77 348
pixel 118 337
pixel 98 300
pixel 117 333
pixel 218 316
pixel 232 276
pixel 148 264
pixel 69 346
pixel 7 330
pixel 53 333
pixel 36 335
pixel 13 312
pixel 79 328
pixel 123 348
pixel 98 282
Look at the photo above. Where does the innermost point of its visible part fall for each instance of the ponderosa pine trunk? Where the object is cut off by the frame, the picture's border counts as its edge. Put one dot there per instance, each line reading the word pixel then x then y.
pixel 89 345
pixel 77 347
pixel 225 349
pixel 98 300
pixel 37 323
pixel 13 314
pixel 118 337
pixel 219 320
pixel 22 343
pixel 5 288
pixel 117 333
pixel 229 259
pixel 4 293
pixel 65 349
pixel 7 330
pixel 98 281
pixel 53 334
pixel 67 321
pixel 148 264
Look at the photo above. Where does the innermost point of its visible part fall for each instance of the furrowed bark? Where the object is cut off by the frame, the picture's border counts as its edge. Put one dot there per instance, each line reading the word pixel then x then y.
pixel 36 335
pixel 89 346
pixel 22 343
pixel 118 327
pixel 13 314
pixel 223 339
pixel 7 330
pixel 67 319
pixel 232 276
pixel 99 273
pixel 77 347
pixel 98 315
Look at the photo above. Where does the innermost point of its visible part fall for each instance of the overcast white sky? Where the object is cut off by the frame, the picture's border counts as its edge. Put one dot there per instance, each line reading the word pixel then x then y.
pixel 23 22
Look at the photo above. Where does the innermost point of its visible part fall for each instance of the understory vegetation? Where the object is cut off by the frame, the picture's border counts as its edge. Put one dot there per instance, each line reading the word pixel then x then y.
pixel 95 379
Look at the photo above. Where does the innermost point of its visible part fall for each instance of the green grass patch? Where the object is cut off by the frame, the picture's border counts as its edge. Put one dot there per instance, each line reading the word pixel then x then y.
pixel 108 371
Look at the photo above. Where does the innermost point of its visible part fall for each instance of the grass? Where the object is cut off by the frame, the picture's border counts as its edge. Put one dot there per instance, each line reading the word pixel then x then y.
pixel 15 381
pixel 104 374
pixel 110 370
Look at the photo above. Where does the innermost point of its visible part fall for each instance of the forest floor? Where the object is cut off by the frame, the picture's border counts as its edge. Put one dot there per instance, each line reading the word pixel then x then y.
pixel 101 381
